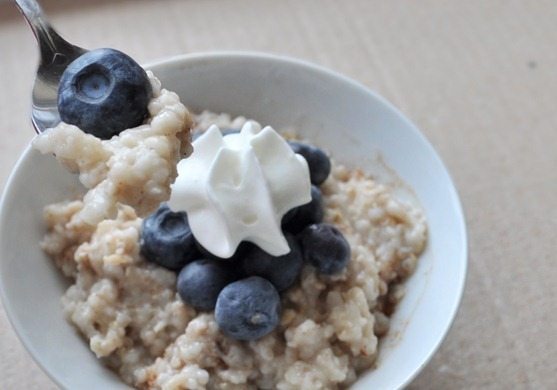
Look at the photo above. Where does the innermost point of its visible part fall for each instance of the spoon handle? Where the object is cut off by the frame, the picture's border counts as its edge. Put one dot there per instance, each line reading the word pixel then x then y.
pixel 52 46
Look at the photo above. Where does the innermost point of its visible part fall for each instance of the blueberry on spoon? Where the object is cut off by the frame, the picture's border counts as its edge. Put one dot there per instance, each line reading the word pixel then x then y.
pixel 103 92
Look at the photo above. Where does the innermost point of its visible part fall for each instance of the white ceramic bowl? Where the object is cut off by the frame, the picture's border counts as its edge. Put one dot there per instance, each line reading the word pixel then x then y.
pixel 353 123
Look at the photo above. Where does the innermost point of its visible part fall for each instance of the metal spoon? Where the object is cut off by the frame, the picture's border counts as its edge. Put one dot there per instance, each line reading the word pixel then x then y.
pixel 55 56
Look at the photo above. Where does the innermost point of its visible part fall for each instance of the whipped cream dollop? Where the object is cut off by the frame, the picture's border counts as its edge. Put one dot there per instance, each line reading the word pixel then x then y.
pixel 238 187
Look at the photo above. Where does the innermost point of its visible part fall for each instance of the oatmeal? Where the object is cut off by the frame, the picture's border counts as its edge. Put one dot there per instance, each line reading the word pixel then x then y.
pixel 134 168
pixel 135 321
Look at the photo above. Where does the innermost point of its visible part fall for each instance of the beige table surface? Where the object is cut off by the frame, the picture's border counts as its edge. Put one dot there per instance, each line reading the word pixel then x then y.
pixel 477 76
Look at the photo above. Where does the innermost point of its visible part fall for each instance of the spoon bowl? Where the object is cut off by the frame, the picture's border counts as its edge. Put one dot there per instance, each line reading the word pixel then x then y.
pixel 55 55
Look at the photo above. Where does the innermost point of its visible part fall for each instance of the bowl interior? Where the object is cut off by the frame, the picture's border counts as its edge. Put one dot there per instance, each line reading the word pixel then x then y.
pixel 355 125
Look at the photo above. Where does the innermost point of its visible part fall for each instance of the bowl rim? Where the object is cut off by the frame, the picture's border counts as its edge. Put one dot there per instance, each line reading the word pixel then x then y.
pixel 212 56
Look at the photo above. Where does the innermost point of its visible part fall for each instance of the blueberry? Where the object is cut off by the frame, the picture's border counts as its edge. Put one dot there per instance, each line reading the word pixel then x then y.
pixel 325 248
pixel 103 92
pixel 298 218
pixel 281 271
pixel 200 282
pixel 248 309
pixel 167 240
pixel 318 162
